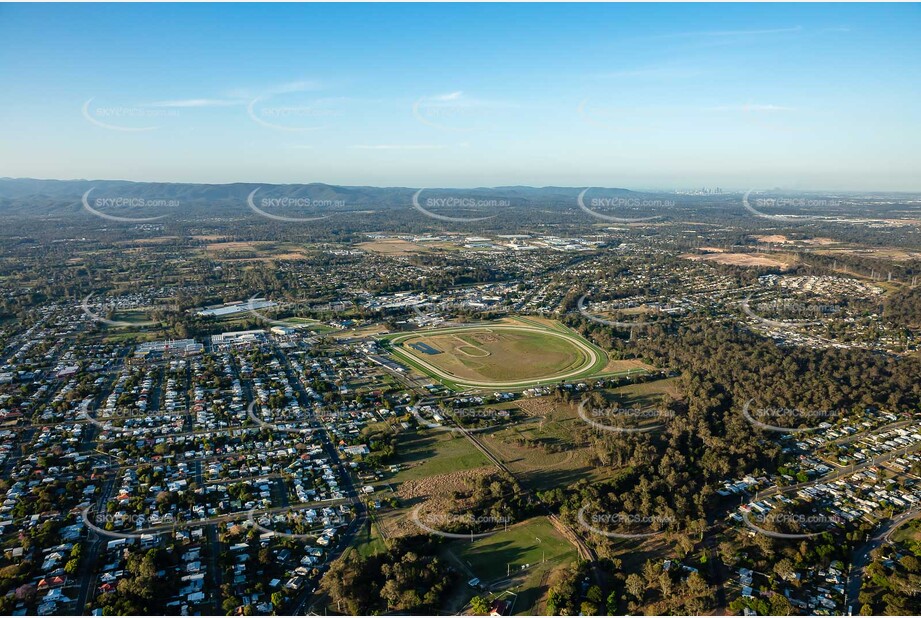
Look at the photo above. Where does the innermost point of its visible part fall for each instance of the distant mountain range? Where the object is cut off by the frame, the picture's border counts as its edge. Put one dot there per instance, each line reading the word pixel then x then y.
pixel 37 197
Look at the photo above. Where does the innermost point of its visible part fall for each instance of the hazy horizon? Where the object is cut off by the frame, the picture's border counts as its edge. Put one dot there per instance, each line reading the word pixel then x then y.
pixel 665 189
pixel 656 97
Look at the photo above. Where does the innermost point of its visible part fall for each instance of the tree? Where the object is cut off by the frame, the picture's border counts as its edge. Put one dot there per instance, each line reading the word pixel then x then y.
pixel 781 606
pixel 612 603
pixel 636 586
pixel 784 568
pixel 479 606
pixel 911 564
pixel 230 605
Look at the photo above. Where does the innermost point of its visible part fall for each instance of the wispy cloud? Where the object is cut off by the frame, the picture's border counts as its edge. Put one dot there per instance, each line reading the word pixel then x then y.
pixel 751 107
pixel 197 103
pixel 662 72
pixel 728 33
pixel 241 96
pixel 458 99
pixel 398 147
pixel 301 85
pixel 296 86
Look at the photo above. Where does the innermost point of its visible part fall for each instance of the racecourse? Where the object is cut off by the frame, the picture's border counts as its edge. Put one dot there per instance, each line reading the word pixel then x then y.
pixel 592 361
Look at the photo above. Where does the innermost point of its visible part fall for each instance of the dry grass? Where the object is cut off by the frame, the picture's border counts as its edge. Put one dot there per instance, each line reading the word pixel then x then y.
pixel 240 251
pixel 435 493
pixel 157 240
pixel 625 365
pixel 233 245
pixel 736 259
pixel 484 355
pixel 896 255
pixel 390 247
pixel 780 238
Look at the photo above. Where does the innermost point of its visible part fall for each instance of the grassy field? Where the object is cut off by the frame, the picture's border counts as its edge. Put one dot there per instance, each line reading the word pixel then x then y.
pixel 645 393
pixel 545 451
pixel 430 452
pixel 309 324
pixel 505 354
pixel 498 355
pixel 369 542
pixel 534 542
pixel 132 317
pixel 910 532
pixel 133 335
pixel 253 251
pixel 490 556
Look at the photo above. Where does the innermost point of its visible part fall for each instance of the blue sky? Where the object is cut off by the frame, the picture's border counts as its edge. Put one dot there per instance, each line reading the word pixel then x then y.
pixel 641 96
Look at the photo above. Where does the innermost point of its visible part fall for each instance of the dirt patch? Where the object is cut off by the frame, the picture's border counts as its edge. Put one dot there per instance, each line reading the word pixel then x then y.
pixel 157 240
pixel 441 484
pixel 537 406
pixel 390 247
pixel 771 238
pixel 736 259
pixel 626 365
pixel 780 238
pixel 896 255
pixel 271 258
pixel 233 245
pixel 435 494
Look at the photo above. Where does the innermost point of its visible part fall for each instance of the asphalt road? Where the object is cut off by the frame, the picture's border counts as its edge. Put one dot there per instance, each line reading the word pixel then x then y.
pixel 861 557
